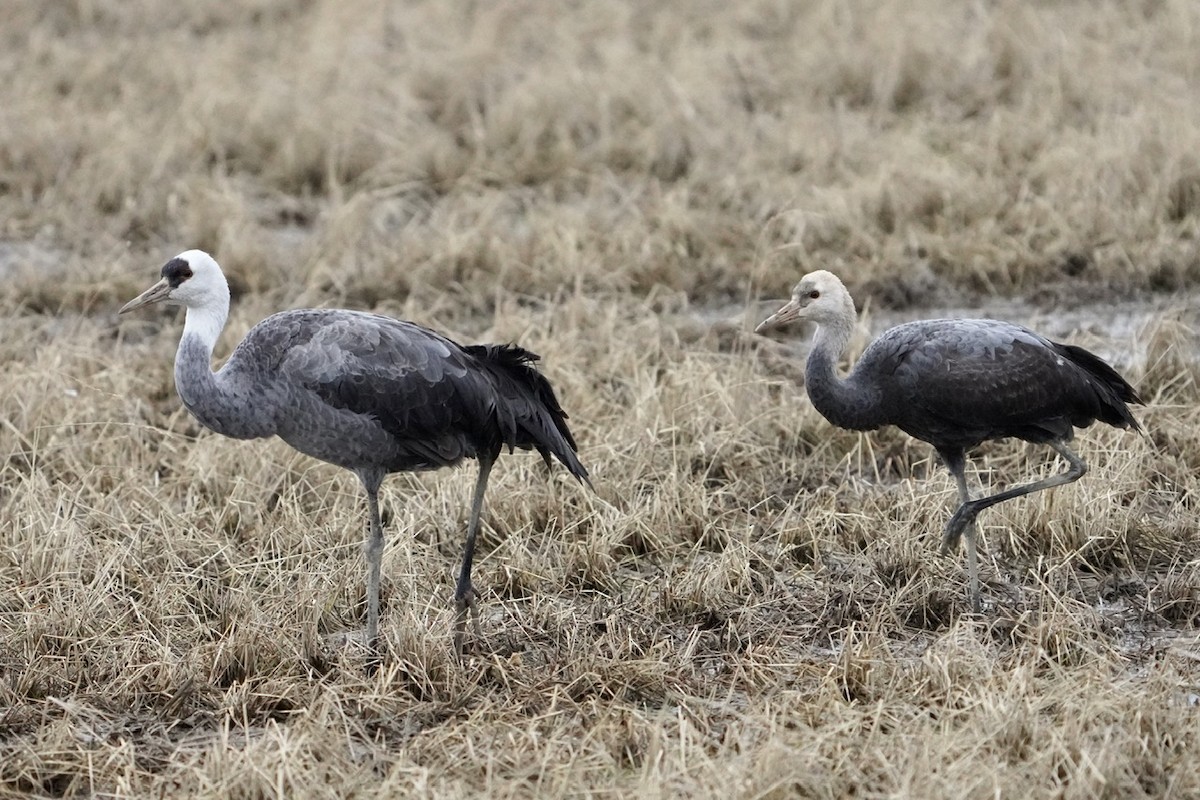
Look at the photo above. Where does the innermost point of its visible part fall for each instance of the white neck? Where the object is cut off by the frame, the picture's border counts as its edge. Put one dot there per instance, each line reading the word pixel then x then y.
pixel 205 323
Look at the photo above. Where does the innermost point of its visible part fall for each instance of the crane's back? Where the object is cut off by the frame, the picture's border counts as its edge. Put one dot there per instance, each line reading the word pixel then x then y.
pixel 956 383
pixel 366 391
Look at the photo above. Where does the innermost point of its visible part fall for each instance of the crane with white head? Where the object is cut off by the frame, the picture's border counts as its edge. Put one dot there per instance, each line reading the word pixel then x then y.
pixel 369 393
pixel 956 383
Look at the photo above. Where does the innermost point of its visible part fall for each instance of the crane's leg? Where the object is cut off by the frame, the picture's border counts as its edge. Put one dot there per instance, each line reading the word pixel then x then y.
pixel 964 518
pixel 464 593
pixel 374 559
pixel 956 463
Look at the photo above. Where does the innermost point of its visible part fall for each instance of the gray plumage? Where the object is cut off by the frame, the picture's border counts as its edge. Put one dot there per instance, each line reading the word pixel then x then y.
pixel 956 383
pixel 366 392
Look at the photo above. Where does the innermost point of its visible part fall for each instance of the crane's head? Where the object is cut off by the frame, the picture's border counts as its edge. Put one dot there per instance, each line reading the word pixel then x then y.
pixel 819 297
pixel 190 279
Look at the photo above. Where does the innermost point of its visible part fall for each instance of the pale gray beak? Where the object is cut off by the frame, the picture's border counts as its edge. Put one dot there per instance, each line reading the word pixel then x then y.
pixel 155 294
pixel 781 317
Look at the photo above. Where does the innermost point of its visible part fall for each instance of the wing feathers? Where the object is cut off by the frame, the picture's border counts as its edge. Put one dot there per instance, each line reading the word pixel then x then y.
pixel 436 399
pixel 970 380
pixel 528 411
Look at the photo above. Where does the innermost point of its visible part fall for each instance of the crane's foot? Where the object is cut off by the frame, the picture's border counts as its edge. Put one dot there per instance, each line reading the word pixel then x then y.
pixel 962 518
pixel 467 605
pixel 359 642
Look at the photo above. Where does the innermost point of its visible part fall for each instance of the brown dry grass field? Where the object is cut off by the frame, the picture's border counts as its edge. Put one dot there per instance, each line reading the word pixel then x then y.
pixel 752 603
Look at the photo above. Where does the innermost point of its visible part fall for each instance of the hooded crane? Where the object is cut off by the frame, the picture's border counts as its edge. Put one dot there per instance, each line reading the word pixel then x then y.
pixel 956 383
pixel 369 393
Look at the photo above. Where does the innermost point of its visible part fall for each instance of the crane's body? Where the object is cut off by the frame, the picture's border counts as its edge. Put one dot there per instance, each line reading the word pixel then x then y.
pixel 956 383
pixel 369 393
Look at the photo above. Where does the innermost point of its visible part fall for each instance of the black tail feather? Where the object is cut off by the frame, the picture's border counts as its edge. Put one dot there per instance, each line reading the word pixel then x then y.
pixel 532 416
pixel 1115 392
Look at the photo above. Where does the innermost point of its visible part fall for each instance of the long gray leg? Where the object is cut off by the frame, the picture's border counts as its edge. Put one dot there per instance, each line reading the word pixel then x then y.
pixel 464 592
pixel 374 557
pixel 964 518
pixel 956 463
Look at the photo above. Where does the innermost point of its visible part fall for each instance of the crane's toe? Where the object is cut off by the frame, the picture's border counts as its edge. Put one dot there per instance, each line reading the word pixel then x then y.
pixel 466 604
pixel 963 517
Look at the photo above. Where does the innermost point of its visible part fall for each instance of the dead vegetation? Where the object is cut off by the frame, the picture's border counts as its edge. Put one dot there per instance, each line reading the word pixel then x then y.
pixel 752 604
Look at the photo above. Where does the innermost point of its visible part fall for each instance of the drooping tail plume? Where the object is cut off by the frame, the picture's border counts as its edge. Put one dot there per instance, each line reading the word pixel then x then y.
pixel 527 410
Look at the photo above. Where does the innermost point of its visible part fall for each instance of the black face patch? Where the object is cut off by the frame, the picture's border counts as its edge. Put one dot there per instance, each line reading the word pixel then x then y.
pixel 176 271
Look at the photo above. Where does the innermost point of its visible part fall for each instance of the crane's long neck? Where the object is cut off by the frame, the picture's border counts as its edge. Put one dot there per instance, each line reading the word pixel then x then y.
pixel 218 401
pixel 846 402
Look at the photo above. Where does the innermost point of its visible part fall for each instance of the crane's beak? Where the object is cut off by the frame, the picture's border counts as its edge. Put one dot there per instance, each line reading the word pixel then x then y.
pixel 781 317
pixel 155 294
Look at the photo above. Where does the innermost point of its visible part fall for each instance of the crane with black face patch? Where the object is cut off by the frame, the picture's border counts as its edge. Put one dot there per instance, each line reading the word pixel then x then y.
pixel 369 393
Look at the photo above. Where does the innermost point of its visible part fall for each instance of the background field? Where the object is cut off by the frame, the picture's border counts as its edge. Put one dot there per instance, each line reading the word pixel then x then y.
pixel 752 604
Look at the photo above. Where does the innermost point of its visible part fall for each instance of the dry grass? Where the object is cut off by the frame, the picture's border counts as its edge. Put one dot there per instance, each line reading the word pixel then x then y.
pixel 752 605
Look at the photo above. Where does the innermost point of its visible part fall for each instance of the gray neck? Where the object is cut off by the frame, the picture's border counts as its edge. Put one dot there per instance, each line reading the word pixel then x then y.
pixel 221 402
pixel 847 403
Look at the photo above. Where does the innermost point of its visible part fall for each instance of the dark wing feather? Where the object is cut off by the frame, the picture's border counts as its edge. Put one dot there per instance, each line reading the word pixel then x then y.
pixel 529 412
pixel 417 384
pixel 439 401
pixel 1113 391
pixel 959 382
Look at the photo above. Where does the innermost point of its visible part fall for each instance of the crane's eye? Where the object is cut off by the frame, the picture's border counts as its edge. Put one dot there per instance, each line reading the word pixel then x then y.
pixel 814 294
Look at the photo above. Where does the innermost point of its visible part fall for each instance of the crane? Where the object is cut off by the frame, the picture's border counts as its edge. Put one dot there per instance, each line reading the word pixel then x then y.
pixel 369 393
pixel 956 383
